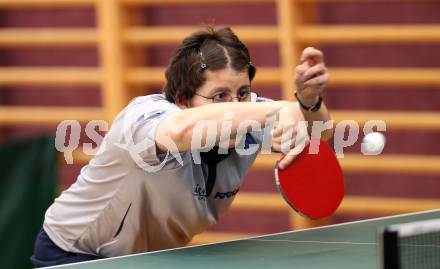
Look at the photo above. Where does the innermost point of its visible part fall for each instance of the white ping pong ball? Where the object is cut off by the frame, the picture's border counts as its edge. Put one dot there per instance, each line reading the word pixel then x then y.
pixel 373 143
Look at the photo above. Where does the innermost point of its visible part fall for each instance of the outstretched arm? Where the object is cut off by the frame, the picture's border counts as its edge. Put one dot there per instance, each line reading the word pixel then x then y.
pixel 179 129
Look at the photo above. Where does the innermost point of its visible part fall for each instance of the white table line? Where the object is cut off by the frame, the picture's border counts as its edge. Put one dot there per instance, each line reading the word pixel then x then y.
pixel 310 241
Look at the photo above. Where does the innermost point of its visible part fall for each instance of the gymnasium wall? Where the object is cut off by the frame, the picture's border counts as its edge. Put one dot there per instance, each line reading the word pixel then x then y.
pixel 349 55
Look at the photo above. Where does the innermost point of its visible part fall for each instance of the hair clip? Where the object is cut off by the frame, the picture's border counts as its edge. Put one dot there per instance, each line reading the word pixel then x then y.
pixel 250 63
pixel 202 64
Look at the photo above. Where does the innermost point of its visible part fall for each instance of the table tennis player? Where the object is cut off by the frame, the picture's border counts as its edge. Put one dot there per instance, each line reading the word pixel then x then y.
pixel 117 207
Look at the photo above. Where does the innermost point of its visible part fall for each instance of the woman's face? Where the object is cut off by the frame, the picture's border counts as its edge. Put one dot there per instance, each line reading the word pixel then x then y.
pixel 221 85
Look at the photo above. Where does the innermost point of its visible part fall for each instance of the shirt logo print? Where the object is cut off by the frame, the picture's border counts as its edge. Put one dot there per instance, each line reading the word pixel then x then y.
pixel 200 193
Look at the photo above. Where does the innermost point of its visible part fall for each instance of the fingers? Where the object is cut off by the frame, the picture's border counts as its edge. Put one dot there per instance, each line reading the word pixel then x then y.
pixel 314 71
pixel 302 68
pixel 320 80
pixel 283 146
pixel 299 73
pixel 293 136
pixel 283 137
pixel 276 147
pixel 285 127
pixel 312 56
pixel 292 154
pixel 286 161
pixel 277 132
pixel 291 129
pixel 307 75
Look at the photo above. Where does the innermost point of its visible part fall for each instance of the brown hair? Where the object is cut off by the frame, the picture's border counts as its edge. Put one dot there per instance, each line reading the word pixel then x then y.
pixel 209 49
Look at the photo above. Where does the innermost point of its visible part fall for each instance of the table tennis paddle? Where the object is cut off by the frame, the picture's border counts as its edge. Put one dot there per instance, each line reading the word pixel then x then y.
pixel 313 184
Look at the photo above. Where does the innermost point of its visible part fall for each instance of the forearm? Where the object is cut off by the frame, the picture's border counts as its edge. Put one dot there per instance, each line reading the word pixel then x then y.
pixel 321 115
pixel 182 127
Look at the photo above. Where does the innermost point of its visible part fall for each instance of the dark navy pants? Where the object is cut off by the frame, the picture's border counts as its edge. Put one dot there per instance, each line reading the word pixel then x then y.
pixel 46 253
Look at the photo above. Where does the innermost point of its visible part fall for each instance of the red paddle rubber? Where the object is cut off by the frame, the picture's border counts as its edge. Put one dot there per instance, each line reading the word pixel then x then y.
pixel 313 184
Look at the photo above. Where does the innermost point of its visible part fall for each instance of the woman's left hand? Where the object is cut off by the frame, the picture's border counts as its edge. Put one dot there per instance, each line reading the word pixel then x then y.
pixel 311 76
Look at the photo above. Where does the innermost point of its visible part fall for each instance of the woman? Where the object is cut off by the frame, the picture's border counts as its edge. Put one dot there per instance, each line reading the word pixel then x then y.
pixel 147 189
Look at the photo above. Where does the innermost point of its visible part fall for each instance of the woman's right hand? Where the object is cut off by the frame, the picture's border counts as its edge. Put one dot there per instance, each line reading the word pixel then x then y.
pixel 290 134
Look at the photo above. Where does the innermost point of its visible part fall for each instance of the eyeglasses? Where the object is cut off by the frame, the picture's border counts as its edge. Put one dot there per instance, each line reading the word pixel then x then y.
pixel 222 97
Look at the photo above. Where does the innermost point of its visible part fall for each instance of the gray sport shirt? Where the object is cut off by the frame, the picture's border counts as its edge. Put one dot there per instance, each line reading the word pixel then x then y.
pixel 116 207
